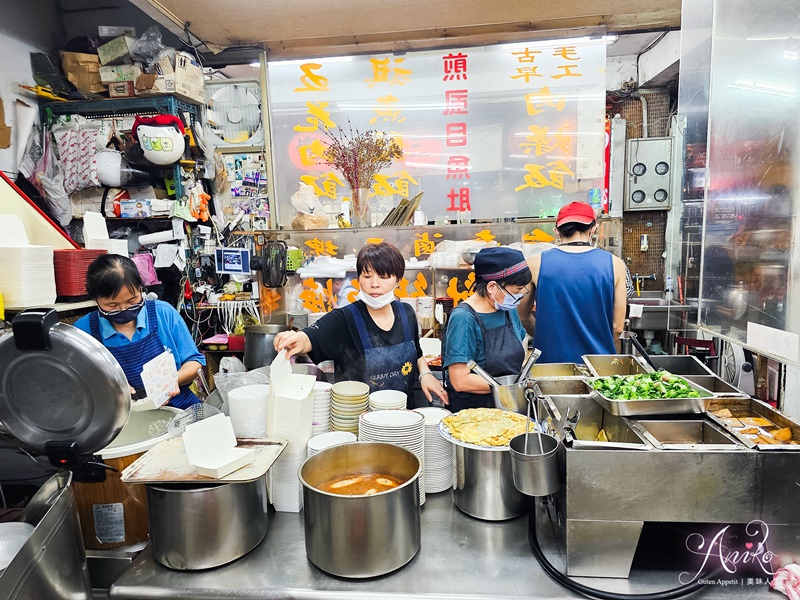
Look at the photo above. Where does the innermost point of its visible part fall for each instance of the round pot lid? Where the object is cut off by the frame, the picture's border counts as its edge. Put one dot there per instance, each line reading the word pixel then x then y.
pixel 58 383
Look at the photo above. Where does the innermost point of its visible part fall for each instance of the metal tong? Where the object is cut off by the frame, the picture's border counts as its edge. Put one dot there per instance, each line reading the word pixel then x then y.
pixel 526 368
pixel 631 335
pixel 475 368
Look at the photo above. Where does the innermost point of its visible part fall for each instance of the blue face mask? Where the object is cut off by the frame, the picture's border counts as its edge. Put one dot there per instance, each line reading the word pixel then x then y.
pixel 510 301
pixel 120 317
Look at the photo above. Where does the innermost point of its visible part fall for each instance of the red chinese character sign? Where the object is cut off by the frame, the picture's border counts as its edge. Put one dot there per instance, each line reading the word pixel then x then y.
pixel 500 131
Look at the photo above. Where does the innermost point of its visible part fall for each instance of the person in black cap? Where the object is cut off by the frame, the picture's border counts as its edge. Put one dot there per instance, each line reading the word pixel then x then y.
pixel 486 328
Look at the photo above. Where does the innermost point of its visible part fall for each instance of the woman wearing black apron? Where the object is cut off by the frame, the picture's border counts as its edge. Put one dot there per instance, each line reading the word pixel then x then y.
pixel 135 331
pixel 374 339
pixel 486 328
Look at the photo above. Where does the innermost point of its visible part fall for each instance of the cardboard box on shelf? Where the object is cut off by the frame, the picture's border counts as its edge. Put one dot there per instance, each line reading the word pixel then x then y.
pixel 121 89
pixel 185 80
pixel 117 51
pixel 83 71
pixel 115 73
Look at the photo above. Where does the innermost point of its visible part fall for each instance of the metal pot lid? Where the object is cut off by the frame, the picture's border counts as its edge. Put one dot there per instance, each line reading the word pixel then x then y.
pixel 58 383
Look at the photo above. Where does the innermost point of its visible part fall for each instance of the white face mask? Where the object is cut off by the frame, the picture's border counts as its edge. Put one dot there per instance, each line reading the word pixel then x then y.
pixel 378 302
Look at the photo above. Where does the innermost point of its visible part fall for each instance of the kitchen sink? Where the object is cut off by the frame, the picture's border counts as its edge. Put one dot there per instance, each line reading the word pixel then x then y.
pixel 658 313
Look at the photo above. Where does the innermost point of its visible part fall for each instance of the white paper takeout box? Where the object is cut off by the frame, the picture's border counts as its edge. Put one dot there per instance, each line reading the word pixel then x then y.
pixel 149 403
pixel 211 447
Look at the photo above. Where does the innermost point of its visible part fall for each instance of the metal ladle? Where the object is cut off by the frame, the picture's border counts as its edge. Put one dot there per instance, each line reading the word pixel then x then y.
pixel 475 368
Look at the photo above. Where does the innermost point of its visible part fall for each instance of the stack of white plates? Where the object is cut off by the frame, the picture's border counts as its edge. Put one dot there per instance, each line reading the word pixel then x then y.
pixel 322 408
pixel 348 400
pixel 290 420
pixel 405 428
pixel 387 400
pixel 318 443
pixel 27 277
pixel 438 452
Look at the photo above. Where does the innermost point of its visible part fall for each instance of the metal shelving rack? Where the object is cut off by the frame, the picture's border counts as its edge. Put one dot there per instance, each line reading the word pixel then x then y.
pixel 119 107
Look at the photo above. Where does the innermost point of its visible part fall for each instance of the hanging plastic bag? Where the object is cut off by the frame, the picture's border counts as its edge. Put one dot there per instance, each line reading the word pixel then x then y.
pixel 50 184
pixel 147 47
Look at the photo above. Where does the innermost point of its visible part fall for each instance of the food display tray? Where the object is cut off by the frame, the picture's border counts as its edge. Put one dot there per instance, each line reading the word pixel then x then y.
pixel 750 407
pixel 647 407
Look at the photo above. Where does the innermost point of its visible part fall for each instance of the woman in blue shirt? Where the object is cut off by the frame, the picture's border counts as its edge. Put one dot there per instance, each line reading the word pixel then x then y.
pixel 486 328
pixel 135 331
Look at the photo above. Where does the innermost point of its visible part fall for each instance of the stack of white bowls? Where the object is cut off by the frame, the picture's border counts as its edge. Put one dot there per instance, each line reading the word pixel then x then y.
pixel 438 452
pixel 348 400
pixel 387 400
pixel 405 428
pixel 322 408
pixel 318 443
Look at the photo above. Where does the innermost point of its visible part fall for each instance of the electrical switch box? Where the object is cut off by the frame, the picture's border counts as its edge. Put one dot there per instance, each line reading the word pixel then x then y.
pixel 649 174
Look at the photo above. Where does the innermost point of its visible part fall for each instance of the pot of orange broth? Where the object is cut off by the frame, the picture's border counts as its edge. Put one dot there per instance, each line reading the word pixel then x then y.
pixel 361 506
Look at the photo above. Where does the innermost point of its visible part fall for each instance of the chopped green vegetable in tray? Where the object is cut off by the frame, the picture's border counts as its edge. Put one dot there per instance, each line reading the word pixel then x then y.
pixel 645 386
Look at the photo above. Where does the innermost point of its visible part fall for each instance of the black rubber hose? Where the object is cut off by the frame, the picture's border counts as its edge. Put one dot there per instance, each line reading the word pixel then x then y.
pixel 590 592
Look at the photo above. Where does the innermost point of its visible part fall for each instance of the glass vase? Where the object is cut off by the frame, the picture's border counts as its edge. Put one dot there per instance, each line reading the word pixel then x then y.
pixel 360 215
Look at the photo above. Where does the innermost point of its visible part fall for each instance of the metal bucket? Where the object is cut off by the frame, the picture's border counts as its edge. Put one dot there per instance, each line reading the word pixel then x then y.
pixel 199 526
pixel 361 536
pixel 485 484
pixel 536 473
pixel 509 395
pixel 259 349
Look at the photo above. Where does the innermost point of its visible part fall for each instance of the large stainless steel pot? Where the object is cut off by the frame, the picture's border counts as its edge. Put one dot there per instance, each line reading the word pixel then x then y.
pixel 52 562
pixel 485 484
pixel 259 350
pixel 198 526
pixel 361 536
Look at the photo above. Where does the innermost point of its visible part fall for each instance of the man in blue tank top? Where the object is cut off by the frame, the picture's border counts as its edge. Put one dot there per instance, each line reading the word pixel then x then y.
pixel 579 293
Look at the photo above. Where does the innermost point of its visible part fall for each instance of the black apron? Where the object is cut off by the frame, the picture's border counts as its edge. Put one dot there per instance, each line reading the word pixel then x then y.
pixel 502 355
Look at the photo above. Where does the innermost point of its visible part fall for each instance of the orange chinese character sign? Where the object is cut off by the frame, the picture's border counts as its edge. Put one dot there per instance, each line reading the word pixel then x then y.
pixel 536 102
pixel 318 116
pixel 423 244
pixel 313 297
pixel 537 141
pixel 456 292
pixel 485 235
pixel 537 178
pixel 526 73
pixel 312 82
pixel 419 287
pixel 527 55
pixel 320 248
pixel 387 112
pixel 310 154
pixel 383 72
pixel 330 184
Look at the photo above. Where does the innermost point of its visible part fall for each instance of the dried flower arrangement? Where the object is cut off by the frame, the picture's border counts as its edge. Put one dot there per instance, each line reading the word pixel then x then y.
pixel 359 156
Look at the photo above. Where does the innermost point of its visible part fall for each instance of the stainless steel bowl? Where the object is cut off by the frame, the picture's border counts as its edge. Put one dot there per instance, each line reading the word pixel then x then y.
pixel 361 536
pixel 510 395
pixel 468 256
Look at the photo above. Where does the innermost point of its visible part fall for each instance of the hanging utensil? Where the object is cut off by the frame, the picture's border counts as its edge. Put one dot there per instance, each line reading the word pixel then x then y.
pixel 532 398
pixel 532 358
pixel 475 368
pixel 638 345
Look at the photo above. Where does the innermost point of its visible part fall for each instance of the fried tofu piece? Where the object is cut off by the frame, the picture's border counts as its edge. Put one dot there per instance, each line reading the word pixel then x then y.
pixel 782 435
pixel 748 431
pixel 723 414
pixel 756 422
pixel 765 439
pixel 732 422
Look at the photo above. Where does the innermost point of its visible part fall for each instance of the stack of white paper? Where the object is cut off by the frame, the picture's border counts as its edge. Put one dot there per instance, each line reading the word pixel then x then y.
pixel 211 447
pixel 95 235
pixel 27 277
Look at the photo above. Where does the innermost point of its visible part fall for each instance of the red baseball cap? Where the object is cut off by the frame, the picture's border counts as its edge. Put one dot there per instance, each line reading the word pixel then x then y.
pixel 575 212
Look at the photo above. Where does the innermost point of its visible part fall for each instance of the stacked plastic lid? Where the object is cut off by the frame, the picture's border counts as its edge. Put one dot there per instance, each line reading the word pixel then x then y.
pixel 438 452
pixel 70 269
pixel 405 428
pixel 322 408
pixel 387 400
pixel 348 400
pixel 318 443
pixel 26 276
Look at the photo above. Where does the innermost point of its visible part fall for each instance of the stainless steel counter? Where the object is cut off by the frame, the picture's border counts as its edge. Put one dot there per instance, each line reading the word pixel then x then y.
pixel 460 557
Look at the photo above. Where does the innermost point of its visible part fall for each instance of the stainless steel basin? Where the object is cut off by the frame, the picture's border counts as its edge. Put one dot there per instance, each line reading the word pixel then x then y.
pixel 563 386
pixel 592 419
pixel 602 365
pixel 658 313
pixel 695 431
pixel 556 370
pixel 681 365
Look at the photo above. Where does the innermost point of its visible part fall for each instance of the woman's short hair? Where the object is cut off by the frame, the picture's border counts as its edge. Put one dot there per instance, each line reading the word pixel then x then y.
pixel 383 259
pixel 111 273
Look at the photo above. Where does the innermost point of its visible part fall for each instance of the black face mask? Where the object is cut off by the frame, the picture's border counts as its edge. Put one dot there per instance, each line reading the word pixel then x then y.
pixel 120 317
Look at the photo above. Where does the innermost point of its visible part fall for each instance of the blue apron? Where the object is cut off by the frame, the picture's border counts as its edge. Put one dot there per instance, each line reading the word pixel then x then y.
pixel 387 367
pixel 503 354
pixel 132 357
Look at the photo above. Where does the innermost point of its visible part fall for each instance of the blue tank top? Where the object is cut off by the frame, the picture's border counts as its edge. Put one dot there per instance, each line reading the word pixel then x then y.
pixel 574 305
